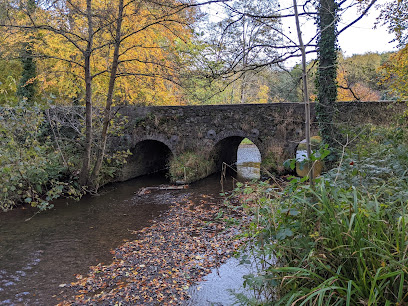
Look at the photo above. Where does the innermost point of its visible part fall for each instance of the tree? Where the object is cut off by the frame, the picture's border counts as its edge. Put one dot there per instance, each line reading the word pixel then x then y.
pixel 394 14
pixel 101 40
pixel 27 85
pixel 285 85
pixel 396 76
pixel 244 41
pixel 10 72
pixel 326 75
pixel 305 91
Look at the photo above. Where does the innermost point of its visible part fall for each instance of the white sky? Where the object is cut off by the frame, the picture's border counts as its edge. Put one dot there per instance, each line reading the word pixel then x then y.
pixel 362 38
pixel 358 39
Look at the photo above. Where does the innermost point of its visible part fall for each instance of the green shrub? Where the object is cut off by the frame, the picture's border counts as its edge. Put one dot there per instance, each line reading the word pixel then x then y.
pixel 345 242
pixel 31 170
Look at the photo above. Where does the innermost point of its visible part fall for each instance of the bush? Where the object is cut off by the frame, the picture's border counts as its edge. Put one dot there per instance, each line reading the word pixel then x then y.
pixel 30 167
pixel 345 242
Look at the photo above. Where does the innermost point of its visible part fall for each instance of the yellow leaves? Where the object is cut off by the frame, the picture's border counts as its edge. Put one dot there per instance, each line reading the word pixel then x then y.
pixel 396 75
pixel 263 94
pixel 148 51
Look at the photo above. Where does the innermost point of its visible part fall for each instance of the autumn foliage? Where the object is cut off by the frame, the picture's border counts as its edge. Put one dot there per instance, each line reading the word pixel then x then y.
pixel 149 59
pixel 397 73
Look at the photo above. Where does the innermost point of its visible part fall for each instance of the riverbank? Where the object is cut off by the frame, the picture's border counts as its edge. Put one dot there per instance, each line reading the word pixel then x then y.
pixel 342 241
pixel 176 251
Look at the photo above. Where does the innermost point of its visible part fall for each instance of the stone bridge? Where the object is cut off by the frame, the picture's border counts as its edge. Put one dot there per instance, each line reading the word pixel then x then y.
pixel 154 134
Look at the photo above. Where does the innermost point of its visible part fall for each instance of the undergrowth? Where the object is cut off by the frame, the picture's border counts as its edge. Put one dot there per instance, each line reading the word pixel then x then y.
pixel 31 167
pixel 189 167
pixel 344 242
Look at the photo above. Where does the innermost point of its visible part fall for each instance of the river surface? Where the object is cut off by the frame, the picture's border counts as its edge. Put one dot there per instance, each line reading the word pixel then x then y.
pixel 39 256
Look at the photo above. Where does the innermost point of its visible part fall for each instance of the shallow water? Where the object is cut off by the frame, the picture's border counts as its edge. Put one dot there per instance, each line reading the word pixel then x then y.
pixel 217 288
pixel 38 257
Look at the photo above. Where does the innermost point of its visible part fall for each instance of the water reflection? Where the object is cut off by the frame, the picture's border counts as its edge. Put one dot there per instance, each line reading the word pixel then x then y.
pixel 248 162
pixel 39 255
pixel 217 287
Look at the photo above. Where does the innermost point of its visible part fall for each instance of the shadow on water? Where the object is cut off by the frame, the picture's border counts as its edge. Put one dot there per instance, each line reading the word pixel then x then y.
pixel 38 255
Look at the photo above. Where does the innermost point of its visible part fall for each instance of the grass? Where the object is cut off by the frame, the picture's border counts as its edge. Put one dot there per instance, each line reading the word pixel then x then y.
pixel 246 141
pixel 189 167
pixel 345 242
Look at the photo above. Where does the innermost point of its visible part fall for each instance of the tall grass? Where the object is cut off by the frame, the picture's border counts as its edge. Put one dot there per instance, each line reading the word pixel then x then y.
pixel 345 242
pixel 189 167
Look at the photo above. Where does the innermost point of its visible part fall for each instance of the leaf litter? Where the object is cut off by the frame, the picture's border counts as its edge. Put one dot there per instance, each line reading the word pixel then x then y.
pixel 169 256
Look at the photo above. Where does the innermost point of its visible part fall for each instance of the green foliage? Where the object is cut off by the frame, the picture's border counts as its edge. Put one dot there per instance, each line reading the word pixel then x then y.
pixel 10 72
pixel 27 85
pixel 246 141
pixel 113 161
pixel 284 86
pixel 190 166
pixel 30 166
pixel 319 152
pixel 269 162
pixel 327 72
pixel 344 242
pixel 396 76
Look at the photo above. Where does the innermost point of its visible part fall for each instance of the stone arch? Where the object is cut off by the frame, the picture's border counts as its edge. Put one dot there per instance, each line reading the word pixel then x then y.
pixel 226 146
pixel 149 155
pixel 170 142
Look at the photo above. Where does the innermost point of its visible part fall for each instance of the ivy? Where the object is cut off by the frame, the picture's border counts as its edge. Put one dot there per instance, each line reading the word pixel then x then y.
pixel 327 72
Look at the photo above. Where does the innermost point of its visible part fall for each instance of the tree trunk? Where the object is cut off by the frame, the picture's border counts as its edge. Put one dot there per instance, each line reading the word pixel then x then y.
pixel 244 64
pixel 84 174
pixel 327 71
pixel 27 86
pixel 109 98
pixel 305 93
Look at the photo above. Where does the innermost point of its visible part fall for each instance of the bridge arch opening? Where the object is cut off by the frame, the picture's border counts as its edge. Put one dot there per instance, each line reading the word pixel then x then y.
pixel 148 156
pixel 238 153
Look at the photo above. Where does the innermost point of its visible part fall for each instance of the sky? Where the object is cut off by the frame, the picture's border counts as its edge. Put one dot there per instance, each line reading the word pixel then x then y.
pixel 358 39
pixel 362 38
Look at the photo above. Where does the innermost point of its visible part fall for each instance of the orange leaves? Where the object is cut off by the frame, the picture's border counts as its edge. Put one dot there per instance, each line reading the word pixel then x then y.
pixel 348 91
pixel 160 266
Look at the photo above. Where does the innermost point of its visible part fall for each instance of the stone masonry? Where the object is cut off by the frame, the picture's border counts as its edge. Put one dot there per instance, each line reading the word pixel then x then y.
pixel 153 134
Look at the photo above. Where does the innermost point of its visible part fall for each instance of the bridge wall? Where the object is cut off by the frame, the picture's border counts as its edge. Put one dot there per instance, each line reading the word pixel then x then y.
pixel 216 131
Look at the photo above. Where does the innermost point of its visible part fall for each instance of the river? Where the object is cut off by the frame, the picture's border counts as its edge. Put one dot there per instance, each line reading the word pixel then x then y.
pixel 40 255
